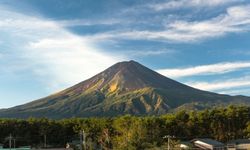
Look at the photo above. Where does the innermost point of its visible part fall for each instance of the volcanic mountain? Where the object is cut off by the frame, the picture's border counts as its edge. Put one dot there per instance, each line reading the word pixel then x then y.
pixel 124 88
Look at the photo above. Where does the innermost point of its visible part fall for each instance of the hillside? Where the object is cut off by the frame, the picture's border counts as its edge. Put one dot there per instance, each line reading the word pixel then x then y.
pixel 124 88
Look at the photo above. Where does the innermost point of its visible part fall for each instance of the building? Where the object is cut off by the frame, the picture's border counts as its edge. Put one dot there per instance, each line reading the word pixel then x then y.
pixel 207 144
pixel 239 144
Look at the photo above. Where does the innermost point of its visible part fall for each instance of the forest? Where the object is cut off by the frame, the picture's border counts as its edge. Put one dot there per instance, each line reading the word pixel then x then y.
pixel 129 132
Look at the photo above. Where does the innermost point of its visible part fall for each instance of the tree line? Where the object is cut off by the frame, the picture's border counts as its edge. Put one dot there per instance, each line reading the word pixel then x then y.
pixel 130 132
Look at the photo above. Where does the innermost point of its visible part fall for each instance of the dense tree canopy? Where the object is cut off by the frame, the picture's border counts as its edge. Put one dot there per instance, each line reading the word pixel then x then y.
pixel 129 132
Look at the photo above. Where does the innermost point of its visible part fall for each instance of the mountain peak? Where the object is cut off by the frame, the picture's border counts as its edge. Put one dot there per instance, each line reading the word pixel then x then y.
pixel 123 77
pixel 125 88
pixel 125 64
pixel 129 62
pixel 129 75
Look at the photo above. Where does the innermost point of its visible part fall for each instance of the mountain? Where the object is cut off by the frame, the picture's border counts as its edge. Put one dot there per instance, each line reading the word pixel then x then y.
pixel 124 88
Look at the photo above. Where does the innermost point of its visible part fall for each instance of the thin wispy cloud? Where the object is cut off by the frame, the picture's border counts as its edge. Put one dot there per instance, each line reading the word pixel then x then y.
pixel 241 91
pixel 19 22
pixel 143 53
pixel 222 85
pixel 235 20
pixel 82 22
pixel 240 52
pixel 211 69
pixel 190 3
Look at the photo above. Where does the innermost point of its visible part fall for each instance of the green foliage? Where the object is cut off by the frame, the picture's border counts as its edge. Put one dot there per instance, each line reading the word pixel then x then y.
pixel 130 132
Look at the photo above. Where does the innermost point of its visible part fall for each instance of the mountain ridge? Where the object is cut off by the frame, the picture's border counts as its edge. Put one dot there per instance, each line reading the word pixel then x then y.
pixel 124 88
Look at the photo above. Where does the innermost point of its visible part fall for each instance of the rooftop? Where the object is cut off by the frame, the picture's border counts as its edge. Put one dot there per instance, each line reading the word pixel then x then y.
pixel 239 141
pixel 209 141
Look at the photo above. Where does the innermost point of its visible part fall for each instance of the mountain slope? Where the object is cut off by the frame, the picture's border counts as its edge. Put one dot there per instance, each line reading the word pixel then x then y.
pixel 124 88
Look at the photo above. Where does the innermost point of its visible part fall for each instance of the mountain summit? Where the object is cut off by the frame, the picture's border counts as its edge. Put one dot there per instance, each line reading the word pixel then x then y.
pixel 124 88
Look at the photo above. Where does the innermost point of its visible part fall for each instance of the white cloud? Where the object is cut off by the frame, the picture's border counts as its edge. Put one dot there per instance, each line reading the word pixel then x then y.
pixel 235 20
pixel 243 91
pixel 80 22
pixel 139 53
pixel 22 23
pixel 49 52
pixel 222 85
pixel 218 68
pixel 69 60
pixel 174 4
pixel 11 19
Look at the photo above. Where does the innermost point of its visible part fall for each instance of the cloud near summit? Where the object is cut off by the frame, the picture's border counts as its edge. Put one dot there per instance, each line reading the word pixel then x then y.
pixel 58 57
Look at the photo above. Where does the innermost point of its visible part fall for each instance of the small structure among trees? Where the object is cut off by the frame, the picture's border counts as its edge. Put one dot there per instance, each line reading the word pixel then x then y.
pixel 208 144
pixel 239 144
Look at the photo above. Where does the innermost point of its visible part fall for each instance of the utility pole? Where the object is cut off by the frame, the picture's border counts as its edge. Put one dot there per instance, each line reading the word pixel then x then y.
pixel 82 140
pixel 168 143
pixel 14 140
pixel 168 137
pixel 45 140
pixel 10 144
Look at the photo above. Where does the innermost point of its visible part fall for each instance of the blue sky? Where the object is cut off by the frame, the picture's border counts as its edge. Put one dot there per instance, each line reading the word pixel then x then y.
pixel 49 45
